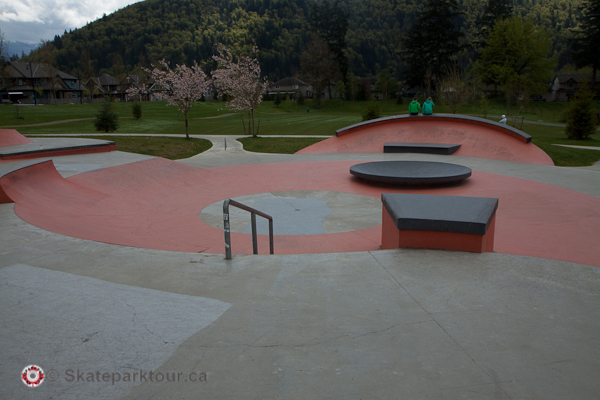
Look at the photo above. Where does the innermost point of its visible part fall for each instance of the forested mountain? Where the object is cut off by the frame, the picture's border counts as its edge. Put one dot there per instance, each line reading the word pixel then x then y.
pixel 186 30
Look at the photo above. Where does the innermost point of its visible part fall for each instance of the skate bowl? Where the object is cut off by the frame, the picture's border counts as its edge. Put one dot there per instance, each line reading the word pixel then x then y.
pixel 151 204
pixel 478 137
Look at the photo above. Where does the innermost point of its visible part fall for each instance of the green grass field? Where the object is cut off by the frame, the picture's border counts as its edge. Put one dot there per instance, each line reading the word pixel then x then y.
pixel 288 118
pixel 277 145
pixel 173 148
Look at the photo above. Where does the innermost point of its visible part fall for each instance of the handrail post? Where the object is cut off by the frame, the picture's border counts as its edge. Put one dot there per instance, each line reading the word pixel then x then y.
pixel 271 235
pixel 254 237
pixel 227 229
pixel 253 212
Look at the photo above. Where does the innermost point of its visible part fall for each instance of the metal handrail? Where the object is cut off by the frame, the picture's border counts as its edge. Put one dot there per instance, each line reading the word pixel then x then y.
pixel 253 212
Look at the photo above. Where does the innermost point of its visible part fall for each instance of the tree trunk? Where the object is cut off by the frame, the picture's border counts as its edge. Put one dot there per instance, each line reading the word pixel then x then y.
pixel 187 136
pixel 252 120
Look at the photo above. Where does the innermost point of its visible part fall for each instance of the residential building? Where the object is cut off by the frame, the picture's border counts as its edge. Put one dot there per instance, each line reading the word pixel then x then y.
pixel 290 85
pixel 565 86
pixel 102 86
pixel 33 83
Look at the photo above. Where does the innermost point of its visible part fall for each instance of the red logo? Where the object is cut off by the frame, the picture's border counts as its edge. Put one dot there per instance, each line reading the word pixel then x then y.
pixel 32 376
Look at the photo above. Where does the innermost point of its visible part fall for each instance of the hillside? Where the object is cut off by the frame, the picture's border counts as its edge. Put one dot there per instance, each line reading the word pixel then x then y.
pixel 186 30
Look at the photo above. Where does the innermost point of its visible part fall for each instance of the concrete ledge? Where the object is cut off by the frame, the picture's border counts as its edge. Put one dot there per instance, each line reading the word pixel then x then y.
pixel 398 119
pixel 427 148
pixel 411 173
pixel 33 150
pixel 438 222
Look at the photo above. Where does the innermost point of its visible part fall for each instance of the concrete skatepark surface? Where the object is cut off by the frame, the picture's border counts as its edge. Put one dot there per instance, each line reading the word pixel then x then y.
pixel 368 324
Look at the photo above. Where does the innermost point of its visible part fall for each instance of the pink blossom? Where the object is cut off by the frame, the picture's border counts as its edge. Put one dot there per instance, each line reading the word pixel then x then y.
pixel 241 80
pixel 181 86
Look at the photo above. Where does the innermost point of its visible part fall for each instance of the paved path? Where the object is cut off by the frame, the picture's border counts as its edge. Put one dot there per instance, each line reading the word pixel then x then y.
pixel 374 324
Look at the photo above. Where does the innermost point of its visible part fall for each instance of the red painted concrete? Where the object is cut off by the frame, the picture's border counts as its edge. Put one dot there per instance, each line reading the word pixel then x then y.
pixel 40 183
pixel 439 119
pixel 10 137
pixel 390 235
pixel 475 140
pixel 156 203
pixel 394 238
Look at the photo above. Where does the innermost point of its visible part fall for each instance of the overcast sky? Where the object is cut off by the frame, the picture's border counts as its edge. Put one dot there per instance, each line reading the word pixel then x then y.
pixel 33 20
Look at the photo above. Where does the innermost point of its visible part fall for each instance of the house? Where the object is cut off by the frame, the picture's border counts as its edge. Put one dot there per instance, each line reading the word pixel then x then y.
pixel 290 86
pixel 34 83
pixel 102 86
pixel 564 86
pixel 144 85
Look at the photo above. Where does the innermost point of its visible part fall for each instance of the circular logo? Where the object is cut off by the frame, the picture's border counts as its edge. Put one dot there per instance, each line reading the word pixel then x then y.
pixel 32 376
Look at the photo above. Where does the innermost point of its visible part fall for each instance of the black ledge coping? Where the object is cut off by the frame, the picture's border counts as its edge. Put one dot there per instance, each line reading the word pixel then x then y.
pixel 428 148
pixel 440 213
pixel 418 173
pixel 105 143
pixel 466 118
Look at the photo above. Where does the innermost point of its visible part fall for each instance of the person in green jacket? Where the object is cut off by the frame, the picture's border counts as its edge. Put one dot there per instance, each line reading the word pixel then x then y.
pixel 414 107
pixel 428 106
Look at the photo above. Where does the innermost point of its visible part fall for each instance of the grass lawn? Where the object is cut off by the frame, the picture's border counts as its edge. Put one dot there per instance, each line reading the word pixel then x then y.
pixel 277 145
pixel 172 148
pixel 546 136
pixel 286 119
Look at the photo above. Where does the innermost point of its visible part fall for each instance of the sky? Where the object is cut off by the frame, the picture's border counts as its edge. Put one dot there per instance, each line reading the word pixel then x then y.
pixel 30 21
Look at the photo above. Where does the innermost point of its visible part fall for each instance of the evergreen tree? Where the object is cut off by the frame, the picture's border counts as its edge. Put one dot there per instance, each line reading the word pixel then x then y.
pixel 581 118
pixel 136 109
pixel 494 10
pixel 432 43
pixel 331 23
pixel 106 119
pixel 586 44
pixel 277 101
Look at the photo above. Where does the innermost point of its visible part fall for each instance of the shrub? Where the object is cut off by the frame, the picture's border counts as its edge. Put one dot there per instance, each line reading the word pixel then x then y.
pixel 371 112
pixel 106 119
pixel 581 118
pixel 136 107
pixel 277 99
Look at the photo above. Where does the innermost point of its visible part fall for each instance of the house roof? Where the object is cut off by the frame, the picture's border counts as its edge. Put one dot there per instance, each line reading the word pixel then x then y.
pixel 35 70
pixel 290 81
pixel 564 78
pixel 106 80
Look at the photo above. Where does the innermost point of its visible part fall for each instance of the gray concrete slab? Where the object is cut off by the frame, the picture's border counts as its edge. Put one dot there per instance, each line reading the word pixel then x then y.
pixel 418 324
pixel 43 145
pixel 385 324
pixel 300 212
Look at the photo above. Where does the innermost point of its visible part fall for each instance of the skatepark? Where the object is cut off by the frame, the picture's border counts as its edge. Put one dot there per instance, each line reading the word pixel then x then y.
pixel 114 262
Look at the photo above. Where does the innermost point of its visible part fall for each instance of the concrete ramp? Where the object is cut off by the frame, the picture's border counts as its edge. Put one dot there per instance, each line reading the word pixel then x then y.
pixel 10 137
pixel 478 138
pixel 39 183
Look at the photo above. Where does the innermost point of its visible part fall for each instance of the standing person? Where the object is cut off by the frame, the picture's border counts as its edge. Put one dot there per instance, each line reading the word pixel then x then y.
pixel 503 120
pixel 414 107
pixel 428 106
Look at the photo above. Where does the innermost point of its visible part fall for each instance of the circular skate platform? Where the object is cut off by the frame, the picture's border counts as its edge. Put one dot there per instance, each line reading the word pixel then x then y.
pixel 412 173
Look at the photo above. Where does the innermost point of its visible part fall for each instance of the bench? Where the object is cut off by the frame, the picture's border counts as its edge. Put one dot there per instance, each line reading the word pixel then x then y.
pixel 428 148
pixel 438 222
